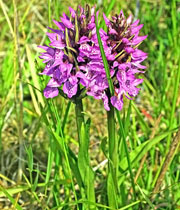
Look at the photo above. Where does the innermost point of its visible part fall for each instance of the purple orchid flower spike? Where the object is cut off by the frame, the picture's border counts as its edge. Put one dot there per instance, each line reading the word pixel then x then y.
pixel 124 57
pixel 70 51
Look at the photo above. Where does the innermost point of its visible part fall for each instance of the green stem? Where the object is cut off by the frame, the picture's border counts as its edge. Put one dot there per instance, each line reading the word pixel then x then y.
pixel 111 135
pixel 85 170
pixel 127 152
pixel 79 122
pixel 79 116
pixel 113 157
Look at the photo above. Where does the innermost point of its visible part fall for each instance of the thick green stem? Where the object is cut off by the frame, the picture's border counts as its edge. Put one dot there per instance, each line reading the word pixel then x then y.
pixel 79 122
pixel 79 116
pixel 113 156
pixel 111 135
pixel 85 170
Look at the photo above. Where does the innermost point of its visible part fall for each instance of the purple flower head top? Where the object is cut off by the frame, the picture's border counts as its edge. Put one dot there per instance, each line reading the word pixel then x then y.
pixel 69 52
pixel 120 44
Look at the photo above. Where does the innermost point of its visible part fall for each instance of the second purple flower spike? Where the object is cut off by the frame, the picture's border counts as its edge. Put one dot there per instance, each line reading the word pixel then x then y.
pixel 124 58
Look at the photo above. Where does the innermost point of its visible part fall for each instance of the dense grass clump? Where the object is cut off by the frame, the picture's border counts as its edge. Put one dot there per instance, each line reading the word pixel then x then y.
pixel 44 162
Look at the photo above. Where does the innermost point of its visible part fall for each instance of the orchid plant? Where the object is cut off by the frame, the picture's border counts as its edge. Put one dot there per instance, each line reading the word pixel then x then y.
pixel 75 65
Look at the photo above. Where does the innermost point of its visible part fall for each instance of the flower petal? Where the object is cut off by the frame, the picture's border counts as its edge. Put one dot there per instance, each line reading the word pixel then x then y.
pixel 106 102
pixel 107 21
pixel 67 23
pixel 51 92
pixel 72 12
pixel 117 103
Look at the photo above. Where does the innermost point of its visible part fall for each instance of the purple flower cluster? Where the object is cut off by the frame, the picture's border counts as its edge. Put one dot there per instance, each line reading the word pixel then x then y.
pixel 74 60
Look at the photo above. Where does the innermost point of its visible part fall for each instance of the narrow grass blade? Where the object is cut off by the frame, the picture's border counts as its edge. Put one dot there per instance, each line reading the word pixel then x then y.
pixel 7 17
pixel 112 175
pixel 106 66
pixel 96 204
pixel 34 75
pixel 66 115
pixel 6 193
pixel 139 151
pixel 127 152
pixel 172 151
pixel 34 100
pixel 14 190
pixel 175 96
pixel 144 125
pixel 30 161
pixel 146 198
pixel 49 164
pixel 35 184
pixel 53 109
pixel 107 12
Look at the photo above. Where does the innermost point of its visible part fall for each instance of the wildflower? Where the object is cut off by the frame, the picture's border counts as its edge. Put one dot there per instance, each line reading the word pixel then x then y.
pixel 69 54
pixel 120 44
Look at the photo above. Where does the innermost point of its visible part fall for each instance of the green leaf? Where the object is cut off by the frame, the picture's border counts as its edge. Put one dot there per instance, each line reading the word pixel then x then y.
pixel 74 167
pixel 103 146
pixel 49 164
pixel 34 186
pixel 85 169
pixel 72 158
pixel 30 157
pixel 14 190
pixel 140 151
pixel 90 186
pixel 126 151
pixel 112 195
pixel 66 116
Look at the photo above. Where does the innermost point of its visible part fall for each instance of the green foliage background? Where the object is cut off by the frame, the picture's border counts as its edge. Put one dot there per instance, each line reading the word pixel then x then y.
pixel 38 137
